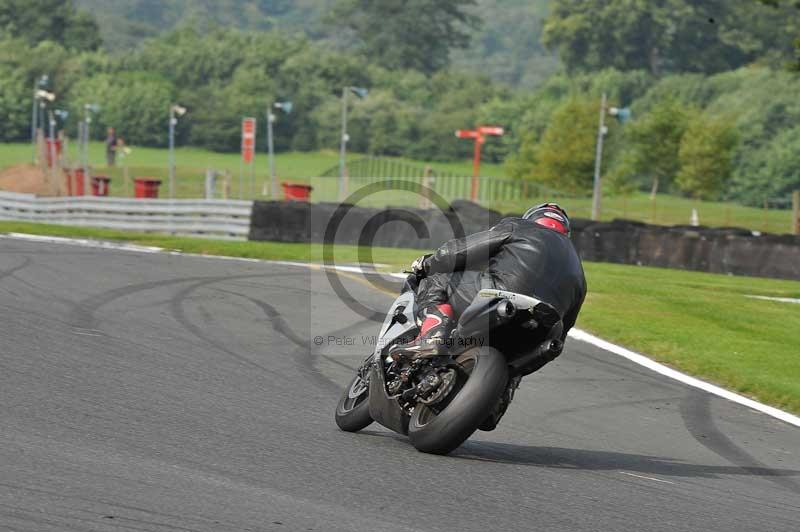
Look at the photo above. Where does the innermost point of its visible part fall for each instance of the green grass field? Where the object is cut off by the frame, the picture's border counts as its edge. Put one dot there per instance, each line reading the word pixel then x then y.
pixel 305 167
pixel 672 210
pixel 696 322
pixel 191 164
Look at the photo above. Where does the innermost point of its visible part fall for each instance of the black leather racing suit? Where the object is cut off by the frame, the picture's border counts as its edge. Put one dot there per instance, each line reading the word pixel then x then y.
pixel 516 255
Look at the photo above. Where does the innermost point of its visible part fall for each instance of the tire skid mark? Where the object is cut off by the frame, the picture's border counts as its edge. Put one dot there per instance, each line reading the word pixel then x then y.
pixel 695 409
pixel 42 293
pixel 611 404
pixel 113 507
pixel 620 368
pixel 278 323
pixel 314 353
pixel 28 251
pixel 85 309
pixel 178 311
pixel 305 356
pixel 84 315
pixel 11 271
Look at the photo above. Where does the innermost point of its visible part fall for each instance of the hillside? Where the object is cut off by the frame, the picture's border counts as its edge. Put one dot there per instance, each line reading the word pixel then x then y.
pixel 507 47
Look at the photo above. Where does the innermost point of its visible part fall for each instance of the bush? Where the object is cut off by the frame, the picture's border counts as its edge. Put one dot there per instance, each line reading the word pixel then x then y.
pixel 771 171
pixel 564 157
pixel 136 103
pixel 706 154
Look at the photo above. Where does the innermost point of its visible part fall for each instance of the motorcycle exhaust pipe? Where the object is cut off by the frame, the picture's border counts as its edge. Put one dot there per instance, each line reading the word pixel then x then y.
pixel 506 310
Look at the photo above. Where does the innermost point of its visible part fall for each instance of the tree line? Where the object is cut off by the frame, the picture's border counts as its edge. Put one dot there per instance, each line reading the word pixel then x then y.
pixel 714 104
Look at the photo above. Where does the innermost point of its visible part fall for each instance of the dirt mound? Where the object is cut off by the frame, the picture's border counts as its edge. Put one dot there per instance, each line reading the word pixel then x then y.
pixel 28 178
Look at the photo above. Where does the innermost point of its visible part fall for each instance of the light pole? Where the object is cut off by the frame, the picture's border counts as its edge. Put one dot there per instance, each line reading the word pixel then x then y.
pixel 287 108
pixel 53 151
pixel 598 158
pixel 175 111
pixel 623 114
pixel 38 84
pixel 42 96
pixel 62 115
pixel 88 109
pixel 361 93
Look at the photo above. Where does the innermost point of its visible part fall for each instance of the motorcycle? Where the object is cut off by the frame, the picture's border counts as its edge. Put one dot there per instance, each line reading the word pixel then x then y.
pixel 441 401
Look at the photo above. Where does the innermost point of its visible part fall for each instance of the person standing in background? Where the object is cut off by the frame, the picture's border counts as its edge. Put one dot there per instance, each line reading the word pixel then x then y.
pixel 111 147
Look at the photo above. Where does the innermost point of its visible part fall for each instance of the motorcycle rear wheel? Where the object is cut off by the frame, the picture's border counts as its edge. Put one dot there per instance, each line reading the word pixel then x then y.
pixel 484 377
pixel 352 411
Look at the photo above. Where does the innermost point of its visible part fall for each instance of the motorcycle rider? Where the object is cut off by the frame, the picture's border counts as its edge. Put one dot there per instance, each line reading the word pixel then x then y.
pixel 531 255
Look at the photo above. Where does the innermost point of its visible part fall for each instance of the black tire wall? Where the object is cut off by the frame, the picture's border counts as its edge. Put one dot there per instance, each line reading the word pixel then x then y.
pixel 729 251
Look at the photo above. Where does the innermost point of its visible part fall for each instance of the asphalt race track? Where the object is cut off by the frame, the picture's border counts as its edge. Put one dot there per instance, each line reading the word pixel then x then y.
pixel 158 392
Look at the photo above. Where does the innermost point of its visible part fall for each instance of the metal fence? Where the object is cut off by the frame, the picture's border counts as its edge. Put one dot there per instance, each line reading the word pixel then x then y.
pixel 213 218
pixel 449 185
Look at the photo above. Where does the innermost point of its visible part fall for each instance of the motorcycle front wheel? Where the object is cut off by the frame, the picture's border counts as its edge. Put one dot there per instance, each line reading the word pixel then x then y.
pixel 483 377
pixel 352 411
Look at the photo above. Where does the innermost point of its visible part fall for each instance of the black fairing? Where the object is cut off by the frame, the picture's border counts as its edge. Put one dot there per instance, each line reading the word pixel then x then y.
pixel 382 408
pixel 410 284
pixel 516 336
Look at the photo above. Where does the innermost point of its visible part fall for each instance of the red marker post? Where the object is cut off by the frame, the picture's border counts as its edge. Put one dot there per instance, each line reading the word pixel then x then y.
pixel 248 151
pixel 479 136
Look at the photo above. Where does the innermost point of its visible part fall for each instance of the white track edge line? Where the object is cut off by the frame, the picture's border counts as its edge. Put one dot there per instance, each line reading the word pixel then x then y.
pixel 793 300
pixel 647 478
pixel 694 382
pixel 577 334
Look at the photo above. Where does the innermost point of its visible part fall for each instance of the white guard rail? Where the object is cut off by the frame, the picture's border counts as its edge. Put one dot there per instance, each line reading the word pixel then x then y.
pixel 210 218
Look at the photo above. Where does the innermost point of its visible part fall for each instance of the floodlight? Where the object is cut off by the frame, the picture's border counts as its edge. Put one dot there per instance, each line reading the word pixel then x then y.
pixel 285 106
pixel 361 92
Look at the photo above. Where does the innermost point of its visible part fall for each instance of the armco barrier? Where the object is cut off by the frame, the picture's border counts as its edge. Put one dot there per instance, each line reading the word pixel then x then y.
pixel 217 218
pixel 732 251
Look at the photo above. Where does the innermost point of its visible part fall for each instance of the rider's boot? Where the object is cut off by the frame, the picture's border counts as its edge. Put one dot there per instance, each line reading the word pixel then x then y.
pixel 436 325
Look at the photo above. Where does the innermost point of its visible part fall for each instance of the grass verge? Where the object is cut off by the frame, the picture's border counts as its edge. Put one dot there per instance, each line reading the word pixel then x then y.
pixel 699 323
pixel 702 324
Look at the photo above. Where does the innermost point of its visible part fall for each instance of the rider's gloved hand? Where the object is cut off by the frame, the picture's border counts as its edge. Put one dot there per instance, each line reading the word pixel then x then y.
pixel 418 266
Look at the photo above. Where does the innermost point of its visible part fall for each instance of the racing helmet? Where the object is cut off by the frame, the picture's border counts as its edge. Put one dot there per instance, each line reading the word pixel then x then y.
pixel 549 215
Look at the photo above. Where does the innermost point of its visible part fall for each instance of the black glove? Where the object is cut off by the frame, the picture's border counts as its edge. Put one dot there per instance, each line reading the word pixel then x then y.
pixel 419 266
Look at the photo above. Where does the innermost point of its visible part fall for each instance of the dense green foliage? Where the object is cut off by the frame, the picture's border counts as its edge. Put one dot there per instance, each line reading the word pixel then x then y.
pixel 665 36
pixel 224 75
pixel 126 23
pixel 51 20
pixel 565 156
pixel 669 61
pixel 506 46
pixel 413 35
pixel 705 156
pixel 652 146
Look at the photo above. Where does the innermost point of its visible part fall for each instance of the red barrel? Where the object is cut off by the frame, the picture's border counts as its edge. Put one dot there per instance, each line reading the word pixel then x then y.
pixel 296 191
pixel 49 147
pixel 100 185
pixel 75 182
pixel 146 187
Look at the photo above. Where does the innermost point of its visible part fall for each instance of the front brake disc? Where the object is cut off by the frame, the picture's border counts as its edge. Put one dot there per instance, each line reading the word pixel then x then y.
pixel 448 378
